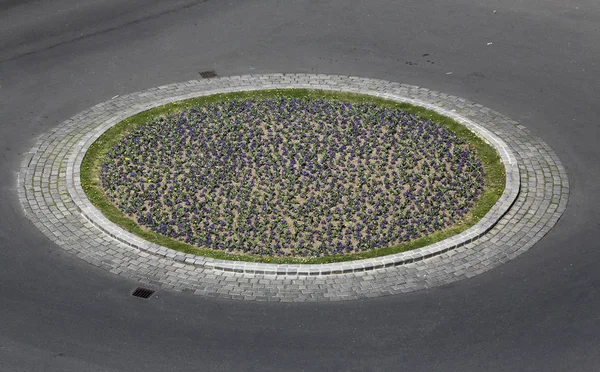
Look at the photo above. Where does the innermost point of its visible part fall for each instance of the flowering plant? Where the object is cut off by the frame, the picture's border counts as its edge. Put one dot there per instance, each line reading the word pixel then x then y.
pixel 292 177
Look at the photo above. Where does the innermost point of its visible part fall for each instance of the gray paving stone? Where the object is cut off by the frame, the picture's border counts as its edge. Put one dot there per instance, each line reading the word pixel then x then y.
pixel 53 199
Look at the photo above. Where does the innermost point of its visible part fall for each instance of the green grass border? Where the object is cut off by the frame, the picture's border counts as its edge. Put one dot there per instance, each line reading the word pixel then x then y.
pixel 90 171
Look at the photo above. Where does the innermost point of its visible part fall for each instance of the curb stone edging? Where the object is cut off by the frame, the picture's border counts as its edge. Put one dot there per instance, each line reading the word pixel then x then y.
pixel 484 225
pixel 50 175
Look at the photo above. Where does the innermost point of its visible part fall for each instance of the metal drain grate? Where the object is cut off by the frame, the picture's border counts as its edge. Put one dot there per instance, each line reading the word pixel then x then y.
pixel 208 74
pixel 142 293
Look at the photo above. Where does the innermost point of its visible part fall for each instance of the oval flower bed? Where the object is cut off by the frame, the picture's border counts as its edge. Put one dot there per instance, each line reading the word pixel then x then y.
pixel 293 176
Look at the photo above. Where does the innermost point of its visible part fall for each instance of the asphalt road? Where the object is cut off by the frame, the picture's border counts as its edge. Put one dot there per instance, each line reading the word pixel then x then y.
pixel 535 61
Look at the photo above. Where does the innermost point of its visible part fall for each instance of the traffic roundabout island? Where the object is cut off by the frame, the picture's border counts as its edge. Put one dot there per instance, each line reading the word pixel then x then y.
pixel 292 187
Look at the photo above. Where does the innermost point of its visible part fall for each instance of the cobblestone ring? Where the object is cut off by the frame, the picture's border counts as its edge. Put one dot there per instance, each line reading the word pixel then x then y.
pixel 535 196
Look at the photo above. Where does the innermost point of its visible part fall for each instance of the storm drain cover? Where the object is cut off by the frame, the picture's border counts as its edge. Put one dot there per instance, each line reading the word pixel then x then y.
pixel 208 74
pixel 142 293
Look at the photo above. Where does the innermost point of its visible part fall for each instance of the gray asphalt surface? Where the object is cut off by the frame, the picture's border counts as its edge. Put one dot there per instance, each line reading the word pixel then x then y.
pixel 538 312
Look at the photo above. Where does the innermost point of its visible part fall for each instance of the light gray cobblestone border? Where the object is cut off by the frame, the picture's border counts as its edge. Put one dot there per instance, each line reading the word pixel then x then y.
pixel 535 196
